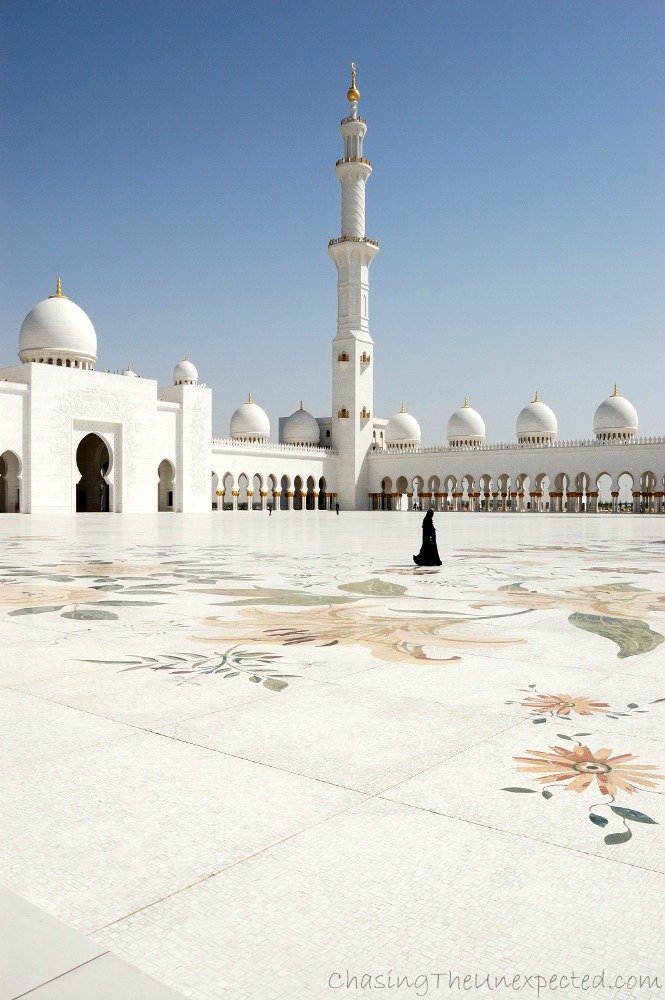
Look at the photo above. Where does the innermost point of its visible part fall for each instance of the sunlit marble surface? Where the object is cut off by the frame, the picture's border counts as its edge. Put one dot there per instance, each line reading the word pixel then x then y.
pixel 247 754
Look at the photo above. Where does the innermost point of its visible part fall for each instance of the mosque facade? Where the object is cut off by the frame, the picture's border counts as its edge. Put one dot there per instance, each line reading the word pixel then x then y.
pixel 73 439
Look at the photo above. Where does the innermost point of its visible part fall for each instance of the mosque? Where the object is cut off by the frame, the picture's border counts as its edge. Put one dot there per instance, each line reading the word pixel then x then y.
pixel 76 439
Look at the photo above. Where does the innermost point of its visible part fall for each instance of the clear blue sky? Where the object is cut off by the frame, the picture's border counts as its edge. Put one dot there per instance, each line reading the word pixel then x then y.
pixel 174 163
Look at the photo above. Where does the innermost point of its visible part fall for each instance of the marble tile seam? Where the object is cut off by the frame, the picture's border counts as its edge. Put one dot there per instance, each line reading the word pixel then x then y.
pixel 516 721
pixel 120 722
pixel 234 864
pixel 449 756
pixel 521 836
pixel 60 976
pixel 263 763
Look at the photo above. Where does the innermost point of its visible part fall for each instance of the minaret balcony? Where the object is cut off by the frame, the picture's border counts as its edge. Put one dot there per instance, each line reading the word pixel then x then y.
pixel 354 159
pixel 343 414
pixel 353 239
pixel 365 358
pixel 365 414
pixel 353 118
pixel 343 358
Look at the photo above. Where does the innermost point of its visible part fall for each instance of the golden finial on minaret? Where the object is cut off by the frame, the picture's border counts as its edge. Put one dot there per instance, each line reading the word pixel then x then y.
pixel 616 390
pixel 353 94
pixel 249 398
pixel 536 398
pixel 301 406
pixel 58 291
pixel 466 401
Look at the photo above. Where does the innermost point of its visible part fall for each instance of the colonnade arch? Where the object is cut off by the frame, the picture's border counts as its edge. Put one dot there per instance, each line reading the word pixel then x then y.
pixel 255 491
pixel 575 491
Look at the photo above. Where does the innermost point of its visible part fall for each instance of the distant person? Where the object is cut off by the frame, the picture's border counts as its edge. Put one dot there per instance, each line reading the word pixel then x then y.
pixel 429 554
pixel 337 509
pixel 269 510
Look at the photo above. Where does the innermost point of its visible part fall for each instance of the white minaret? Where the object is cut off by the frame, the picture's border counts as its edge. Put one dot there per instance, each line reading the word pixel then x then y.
pixel 353 360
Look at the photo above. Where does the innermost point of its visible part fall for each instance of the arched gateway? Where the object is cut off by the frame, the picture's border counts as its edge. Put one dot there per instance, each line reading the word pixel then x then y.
pixel 93 461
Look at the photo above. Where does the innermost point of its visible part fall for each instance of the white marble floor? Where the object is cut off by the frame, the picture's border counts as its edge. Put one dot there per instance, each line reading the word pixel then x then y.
pixel 258 757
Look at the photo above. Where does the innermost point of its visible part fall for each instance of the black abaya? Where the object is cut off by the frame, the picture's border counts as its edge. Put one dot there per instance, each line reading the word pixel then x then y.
pixel 429 554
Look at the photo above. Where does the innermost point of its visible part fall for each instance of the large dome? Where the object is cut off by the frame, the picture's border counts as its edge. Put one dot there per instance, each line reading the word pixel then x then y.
pixel 402 429
pixel 536 423
pixel 465 427
pixel 616 417
pixel 58 331
pixel 250 422
pixel 301 428
pixel 185 373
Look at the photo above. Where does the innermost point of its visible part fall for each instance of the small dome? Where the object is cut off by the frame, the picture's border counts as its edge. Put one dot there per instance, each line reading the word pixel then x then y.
pixel 465 427
pixel 250 422
pixel 402 429
pixel 58 330
pixel 185 373
pixel 130 373
pixel 536 423
pixel 616 417
pixel 301 428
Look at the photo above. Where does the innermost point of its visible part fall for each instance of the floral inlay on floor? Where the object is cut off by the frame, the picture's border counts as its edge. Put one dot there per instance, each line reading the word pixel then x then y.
pixel 339 755
pixel 577 769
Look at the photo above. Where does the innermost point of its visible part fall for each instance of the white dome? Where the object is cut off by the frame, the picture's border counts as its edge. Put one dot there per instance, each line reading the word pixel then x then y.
pixel 57 329
pixel 250 422
pixel 402 429
pixel 185 373
pixel 130 373
pixel 536 423
pixel 616 417
pixel 301 428
pixel 466 426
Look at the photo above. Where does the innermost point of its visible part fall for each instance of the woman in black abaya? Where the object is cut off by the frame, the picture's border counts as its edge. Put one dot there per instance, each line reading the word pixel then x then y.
pixel 429 554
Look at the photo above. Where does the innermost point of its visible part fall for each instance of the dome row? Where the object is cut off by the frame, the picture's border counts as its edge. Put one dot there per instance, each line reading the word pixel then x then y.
pixel 57 331
pixel 250 423
pixel 615 419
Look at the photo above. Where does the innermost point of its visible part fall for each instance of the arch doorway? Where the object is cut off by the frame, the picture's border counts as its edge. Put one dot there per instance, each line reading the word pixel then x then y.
pixel 10 485
pixel 93 461
pixel 165 485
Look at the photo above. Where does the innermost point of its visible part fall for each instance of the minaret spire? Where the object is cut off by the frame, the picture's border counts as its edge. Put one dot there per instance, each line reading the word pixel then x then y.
pixel 353 94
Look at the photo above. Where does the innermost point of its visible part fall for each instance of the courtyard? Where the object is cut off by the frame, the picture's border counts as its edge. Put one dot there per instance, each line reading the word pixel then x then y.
pixel 267 758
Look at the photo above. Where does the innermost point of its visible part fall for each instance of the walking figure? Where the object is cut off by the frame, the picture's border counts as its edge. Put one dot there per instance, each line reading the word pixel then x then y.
pixel 269 510
pixel 337 509
pixel 429 554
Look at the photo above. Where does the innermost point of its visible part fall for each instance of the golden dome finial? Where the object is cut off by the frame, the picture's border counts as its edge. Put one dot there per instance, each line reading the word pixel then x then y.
pixel 301 406
pixel 353 94
pixel 58 291
pixel 536 398
pixel 616 390
pixel 249 398
pixel 402 408
pixel 466 401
